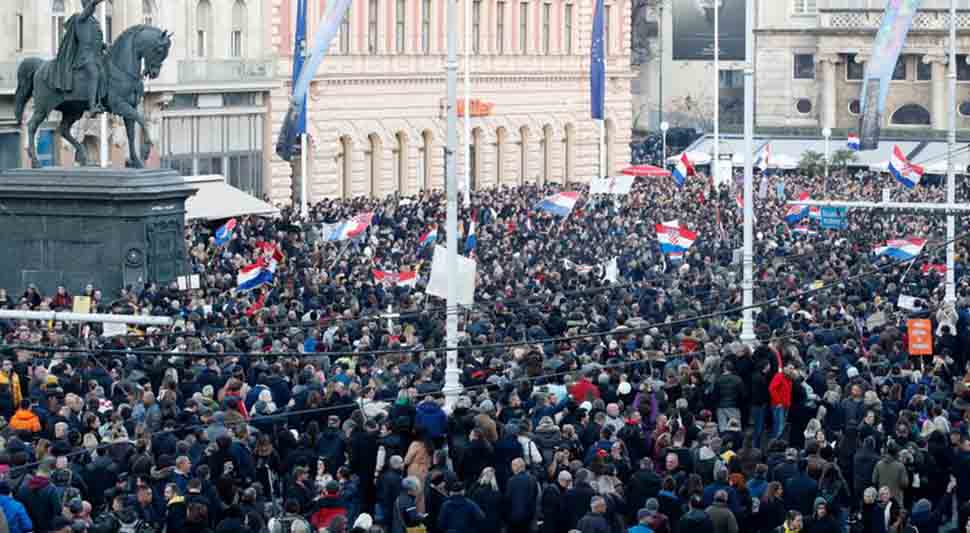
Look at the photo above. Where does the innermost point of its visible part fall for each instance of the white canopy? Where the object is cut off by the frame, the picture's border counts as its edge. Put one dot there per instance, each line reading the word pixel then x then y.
pixel 695 158
pixel 218 200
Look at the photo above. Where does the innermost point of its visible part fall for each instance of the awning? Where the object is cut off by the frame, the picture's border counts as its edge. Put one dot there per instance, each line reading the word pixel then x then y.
pixel 218 200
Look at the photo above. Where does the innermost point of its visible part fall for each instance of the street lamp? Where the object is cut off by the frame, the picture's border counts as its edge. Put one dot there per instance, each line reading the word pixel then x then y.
pixel 827 133
pixel 663 128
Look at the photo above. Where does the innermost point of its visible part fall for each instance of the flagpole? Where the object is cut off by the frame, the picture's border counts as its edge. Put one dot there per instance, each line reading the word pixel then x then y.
pixel 304 147
pixel 747 281
pixel 715 165
pixel 104 157
pixel 452 387
pixel 467 114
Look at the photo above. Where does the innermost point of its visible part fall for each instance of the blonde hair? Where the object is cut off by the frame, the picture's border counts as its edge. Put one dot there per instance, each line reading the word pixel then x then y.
pixel 488 478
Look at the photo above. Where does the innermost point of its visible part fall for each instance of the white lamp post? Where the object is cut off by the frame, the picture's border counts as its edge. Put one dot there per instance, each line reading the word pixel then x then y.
pixel 827 133
pixel 663 128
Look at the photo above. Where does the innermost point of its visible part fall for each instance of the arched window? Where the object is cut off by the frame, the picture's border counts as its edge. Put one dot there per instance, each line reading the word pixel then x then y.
pixel 567 153
pixel 203 28
pixel 500 134
pixel 401 162
pixel 236 38
pixel 911 115
pixel 475 165
pixel 373 159
pixel 427 147
pixel 523 154
pixel 58 18
pixel 148 12
pixel 546 154
pixel 345 166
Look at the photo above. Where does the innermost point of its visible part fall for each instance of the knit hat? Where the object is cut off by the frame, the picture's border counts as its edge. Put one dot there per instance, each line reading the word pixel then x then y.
pixel 821 501
pixel 652 505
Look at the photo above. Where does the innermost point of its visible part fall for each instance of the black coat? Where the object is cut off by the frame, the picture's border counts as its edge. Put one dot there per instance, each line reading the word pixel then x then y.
pixel 521 494
pixel 490 501
pixel 577 500
pixel 554 515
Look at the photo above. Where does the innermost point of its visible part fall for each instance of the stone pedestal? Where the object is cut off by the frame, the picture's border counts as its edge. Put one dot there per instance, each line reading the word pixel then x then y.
pixel 76 226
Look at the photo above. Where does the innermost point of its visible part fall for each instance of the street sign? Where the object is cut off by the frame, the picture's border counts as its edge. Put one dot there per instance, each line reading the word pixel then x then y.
pixel 833 218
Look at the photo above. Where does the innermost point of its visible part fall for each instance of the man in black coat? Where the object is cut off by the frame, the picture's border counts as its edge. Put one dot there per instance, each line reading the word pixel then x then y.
pixel 555 517
pixel 696 520
pixel 800 491
pixel 643 485
pixel 389 487
pixel 578 498
pixel 363 462
pixel 521 494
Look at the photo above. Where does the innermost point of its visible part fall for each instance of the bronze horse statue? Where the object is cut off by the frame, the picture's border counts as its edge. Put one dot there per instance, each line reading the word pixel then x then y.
pixel 121 91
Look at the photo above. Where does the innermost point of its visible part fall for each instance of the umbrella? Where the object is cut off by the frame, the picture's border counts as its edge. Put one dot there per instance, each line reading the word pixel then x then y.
pixel 646 171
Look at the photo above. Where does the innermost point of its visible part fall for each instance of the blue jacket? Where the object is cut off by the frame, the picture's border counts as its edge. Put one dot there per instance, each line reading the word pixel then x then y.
pixel 640 528
pixel 432 418
pixel 17 519
pixel 461 515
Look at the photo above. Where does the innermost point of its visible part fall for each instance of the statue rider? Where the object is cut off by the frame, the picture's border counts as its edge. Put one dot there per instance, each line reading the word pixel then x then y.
pixel 81 48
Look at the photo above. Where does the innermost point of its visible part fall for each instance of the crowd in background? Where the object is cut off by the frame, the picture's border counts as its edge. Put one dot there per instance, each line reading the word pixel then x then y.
pixel 588 403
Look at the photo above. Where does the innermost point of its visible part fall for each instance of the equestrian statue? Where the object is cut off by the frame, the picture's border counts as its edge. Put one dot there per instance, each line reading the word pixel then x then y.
pixel 88 76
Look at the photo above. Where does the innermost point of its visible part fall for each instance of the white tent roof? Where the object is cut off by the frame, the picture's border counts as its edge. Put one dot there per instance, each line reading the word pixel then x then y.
pixel 217 200
pixel 695 158
pixel 931 156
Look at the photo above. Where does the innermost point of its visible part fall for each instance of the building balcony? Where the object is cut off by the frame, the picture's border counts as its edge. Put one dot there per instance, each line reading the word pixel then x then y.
pixel 871 19
pixel 226 71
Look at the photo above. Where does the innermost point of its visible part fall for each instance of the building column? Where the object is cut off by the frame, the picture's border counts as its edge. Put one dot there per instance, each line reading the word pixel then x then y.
pixel 938 98
pixel 829 105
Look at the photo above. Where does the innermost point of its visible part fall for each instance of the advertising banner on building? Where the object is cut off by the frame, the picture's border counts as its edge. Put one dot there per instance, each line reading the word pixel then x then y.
pixel 693 30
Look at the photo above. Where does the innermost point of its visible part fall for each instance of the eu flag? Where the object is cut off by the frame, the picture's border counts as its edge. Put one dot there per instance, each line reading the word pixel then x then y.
pixel 597 66
pixel 293 127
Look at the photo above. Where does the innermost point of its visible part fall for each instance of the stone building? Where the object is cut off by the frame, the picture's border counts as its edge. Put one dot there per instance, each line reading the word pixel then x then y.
pixel 377 109
pixel 810 61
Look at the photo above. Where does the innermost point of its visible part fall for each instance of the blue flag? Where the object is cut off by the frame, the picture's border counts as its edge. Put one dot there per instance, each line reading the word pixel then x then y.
pixel 597 65
pixel 290 135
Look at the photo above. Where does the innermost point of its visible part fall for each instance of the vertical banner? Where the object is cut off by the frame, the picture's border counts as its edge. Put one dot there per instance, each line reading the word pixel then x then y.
pixel 890 39
pixel 597 67
pixel 920 334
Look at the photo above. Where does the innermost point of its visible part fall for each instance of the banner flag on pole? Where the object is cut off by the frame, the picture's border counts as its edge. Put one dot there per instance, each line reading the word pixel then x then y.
pixel 597 66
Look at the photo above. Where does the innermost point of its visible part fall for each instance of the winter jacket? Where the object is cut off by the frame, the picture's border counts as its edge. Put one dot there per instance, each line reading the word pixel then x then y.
pixel 325 510
pixel 594 523
pixel 722 518
pixel 521 494
pixel 16 516
pixel 730 391
pixel 780 390
pixel 696 521
pixel 41 502
pixel 891 473
pixel 460 515
pixel 25 420
pixel 432 419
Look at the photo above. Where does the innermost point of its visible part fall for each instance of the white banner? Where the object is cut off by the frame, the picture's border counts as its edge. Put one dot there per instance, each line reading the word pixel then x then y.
pixel 467 271
pixel 620 185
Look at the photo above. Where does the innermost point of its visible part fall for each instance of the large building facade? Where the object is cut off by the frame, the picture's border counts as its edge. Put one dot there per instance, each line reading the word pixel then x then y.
pixel 377 106
pixel 810 61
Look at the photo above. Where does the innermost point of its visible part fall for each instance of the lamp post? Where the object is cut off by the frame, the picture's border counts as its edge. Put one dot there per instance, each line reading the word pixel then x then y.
pixel 827 133
pixel 715 170
pixel 747 255
pixel 663 128
pixel 452 387
pixel 951 140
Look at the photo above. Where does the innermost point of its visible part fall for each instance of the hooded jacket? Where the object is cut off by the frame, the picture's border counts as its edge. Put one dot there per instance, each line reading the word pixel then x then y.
pixel 41 502
pixel 25 420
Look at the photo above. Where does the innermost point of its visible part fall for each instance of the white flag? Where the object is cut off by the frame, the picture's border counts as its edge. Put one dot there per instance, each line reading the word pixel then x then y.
pixel 612 273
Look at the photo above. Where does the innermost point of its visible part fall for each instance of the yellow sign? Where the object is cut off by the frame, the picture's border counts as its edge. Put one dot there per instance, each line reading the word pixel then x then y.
pixel 82 304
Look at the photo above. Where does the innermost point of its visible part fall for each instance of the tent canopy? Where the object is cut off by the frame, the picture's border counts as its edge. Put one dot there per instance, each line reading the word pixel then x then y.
pixel 646 171
pixel 218 200
pixel 695 157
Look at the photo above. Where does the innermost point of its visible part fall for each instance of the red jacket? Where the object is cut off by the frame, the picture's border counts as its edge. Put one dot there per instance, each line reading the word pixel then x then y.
pixel 582 388
pixel 780 390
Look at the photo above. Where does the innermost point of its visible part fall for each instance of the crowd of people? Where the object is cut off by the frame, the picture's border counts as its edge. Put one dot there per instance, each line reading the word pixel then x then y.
pixel 588 404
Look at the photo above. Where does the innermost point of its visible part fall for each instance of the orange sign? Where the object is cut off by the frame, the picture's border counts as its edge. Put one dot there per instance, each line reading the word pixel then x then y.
pixel 920 333
pixel 478 108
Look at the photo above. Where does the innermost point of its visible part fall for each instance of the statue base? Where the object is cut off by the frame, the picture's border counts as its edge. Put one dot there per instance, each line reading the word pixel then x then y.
pixel 75 226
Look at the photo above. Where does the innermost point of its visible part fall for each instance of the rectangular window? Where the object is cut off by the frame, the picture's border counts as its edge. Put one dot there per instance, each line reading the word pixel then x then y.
pixel 200 46
pixel 899 73
pixel 546 29
pixel 732 79
pixel 924 71
pixel 568 37
pixel 804 7
pixel 399 26
pixel 426 26
pixel 607 43
pixel 523 27
pixel 236 43
pixel 345 33
pixel 500 27
pixel 476 26
pixel 372 27
pixel 804 67
pixel 963 69
pixel 854 71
